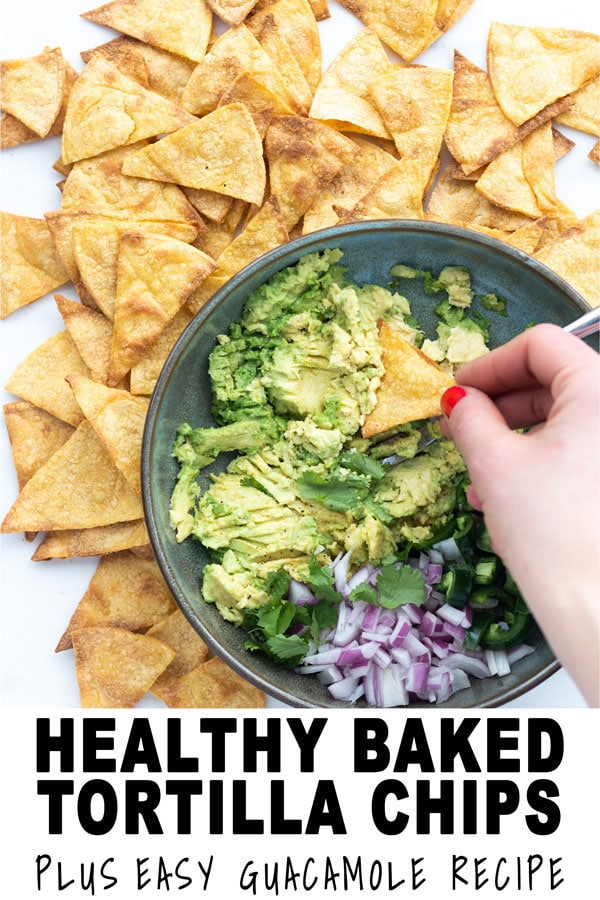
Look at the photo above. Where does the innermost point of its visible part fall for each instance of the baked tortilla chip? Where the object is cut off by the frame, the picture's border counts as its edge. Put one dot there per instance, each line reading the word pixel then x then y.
pixel 32 89
pixel 532 67
pixel 260 102
pixel 107 109
pixel 13 132
pixel 303 155
pixel 574 256
pixel 208 203
pixel 456 200
pixel 343 98
pixel 116 667
pixel 594 153
pixel 272 39
pixel 221 152
pixel 232 11
pixel 125 591
pixel 34 436
pixel 211 685
pixel 404 25
pixel 79 487
pixel 118 419
pixel 155 276
pixel 91 333
pixel 219 235
pixel 296 21
pixel 93 541
pixel 30 265
pixel 176 632
pixel 397 194
pixel 410 387
pixel 584 114
pixel 180 26
pixel 40 377
pixel 144 373
pixel 477 130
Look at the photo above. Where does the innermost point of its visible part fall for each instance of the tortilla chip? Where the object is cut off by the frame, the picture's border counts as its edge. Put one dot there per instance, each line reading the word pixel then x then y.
pixel 414 103
pixel 116 667
pixel 260 102
pixel 410 388
pixel 40 377
pixel 93 541
pixel 407 26
pixel 211 685
pixel 79 487
pixel 155 276
pixel 180 26
pixel 219 235
pixel 91 333
pixel 34 436
pixel 118 419
pixel 397 194
pixel 456 200
pixel 208 203
pixel 574 256
pixel 30 265
pixel 584 114
pixel 526 238
pixel 343 98
pixel 594 153
pixel 232 11
pixel 107 109
pixel 522 178
pixel 532 67
pixel 234 53
pixel 303 155
pixel 125 591
pixel 271 37
pixel 145 372
pixel 176 632
pixel 13 132
pixel 296 21
pixel 349 185
pixel 221 152
pixel 32 89
pixel 477 130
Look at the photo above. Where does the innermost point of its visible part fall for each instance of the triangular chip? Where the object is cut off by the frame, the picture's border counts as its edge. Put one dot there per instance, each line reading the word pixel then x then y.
pixel 410 388
pixel 181 26
pixel 118 419
pixel 91 333
pixel 79 487
pixel 93 541
pixel 116 667
pixel 176 632
pixel 584 114
pixel 574 256
pixel 232 11
pixel 414 103
pixel 272 38
pixel 397 194
pixel 30 265
pixel 208 203
pixel 407 26
pixel 303 155
pixel 125 591
pixel 221 152
pixel 13 132
pixel 155 276
pixel 34 436
pixel 33 89
pixel 211 685
pixel 532 67
pixel 219 235
pixel 343 97
pixel 262 104
pixel 594 153
pixel 296 22
pixel 107 109
pixel 40 377
pixel 457 200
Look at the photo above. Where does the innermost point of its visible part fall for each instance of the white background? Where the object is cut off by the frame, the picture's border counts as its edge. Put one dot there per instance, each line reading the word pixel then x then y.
pixel 39 598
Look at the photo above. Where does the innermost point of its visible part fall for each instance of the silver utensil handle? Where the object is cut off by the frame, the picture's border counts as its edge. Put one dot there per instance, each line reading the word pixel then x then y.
pixel 588 323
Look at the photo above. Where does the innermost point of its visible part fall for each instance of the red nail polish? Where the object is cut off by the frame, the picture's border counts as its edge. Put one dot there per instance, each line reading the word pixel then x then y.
pixel 450 398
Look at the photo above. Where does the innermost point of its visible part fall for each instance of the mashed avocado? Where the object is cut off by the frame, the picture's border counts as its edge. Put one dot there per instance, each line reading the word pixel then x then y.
pixel 292 382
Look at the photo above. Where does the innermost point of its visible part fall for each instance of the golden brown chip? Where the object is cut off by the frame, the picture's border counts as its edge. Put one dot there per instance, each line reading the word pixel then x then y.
pixel 145 372
pixel 584 114
pixel 272 38
pixel 91 333
pixel 208 203
pixel 155 276
pixel 32 89
pixel 107 109
pixel 397 194
pixel 410 387
pixel 594 153
pixel 574 256
pixel 232 11
pixel 78 487
pixel 34 436
pixel 180 26
pixel 261 103
pixel 234 53
pixel 296 20
pixel 176 632
pixel 407 26
pixel 456 200
pixel 93 541
pixel 30 265
pixel 211 685
pixel 40 377
pixel 125 591
pixel 343 98
pixel 221 152
pixel 477 130
pixel 219 235
pixel 532 67
pixel 116 667
pixel 13 132
pixel 304 155
pixel 118 419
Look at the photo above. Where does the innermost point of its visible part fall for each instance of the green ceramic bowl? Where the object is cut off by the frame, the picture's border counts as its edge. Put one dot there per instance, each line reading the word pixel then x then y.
pixel 183 394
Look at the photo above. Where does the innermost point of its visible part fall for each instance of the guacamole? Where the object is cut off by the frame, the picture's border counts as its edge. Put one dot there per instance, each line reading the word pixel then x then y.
pixel 292 381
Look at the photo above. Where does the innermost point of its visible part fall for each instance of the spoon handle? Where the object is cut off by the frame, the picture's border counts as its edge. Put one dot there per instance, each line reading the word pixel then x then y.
pixel 588 323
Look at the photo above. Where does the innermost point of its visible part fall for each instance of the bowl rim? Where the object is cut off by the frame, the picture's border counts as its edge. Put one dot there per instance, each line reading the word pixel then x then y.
pixel 288 254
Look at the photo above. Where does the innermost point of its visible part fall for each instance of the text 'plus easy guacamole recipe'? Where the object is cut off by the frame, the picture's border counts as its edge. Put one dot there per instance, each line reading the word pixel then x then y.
pixel 357 560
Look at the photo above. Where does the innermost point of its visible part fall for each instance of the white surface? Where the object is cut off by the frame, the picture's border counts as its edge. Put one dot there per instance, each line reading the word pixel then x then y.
pixel 38 598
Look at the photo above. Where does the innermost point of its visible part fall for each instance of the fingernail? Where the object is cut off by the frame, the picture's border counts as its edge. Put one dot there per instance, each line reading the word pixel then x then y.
pixel 450 398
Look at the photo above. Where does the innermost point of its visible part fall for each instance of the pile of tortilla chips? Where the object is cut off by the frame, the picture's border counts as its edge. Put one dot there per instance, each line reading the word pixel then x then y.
pixel 201 137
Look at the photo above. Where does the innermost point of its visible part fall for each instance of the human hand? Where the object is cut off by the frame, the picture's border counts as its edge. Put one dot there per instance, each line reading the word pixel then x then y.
pixel 540 491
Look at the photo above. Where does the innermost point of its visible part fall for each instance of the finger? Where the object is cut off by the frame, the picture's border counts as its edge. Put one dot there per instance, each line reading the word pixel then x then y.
pixel 524 408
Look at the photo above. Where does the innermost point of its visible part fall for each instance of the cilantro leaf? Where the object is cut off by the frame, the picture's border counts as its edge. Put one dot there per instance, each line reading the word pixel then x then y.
pixel 398 586
pixel 321 580
pixel 278 583
pixel 335 492
pixel 289 649
pixel 364 465
pixel 365 592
